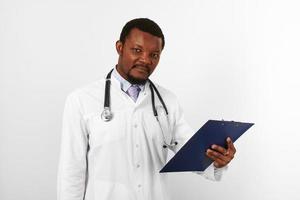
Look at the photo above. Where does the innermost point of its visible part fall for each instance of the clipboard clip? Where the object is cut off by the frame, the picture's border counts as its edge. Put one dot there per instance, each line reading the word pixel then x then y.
pixel 235 123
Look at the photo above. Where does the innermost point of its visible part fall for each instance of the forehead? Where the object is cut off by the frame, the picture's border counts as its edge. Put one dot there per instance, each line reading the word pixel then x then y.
pixel 144 39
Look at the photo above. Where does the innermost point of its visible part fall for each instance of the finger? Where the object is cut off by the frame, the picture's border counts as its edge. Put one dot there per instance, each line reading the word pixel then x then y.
pixel 230 145
pixel 216 155
pixel 212 157
pixel 219 163
pixel 219 149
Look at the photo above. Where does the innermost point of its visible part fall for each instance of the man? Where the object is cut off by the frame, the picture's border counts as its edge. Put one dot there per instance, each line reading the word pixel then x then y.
pixel 121 158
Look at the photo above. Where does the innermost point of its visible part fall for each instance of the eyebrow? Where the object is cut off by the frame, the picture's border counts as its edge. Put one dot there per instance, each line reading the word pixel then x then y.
pixel 139 46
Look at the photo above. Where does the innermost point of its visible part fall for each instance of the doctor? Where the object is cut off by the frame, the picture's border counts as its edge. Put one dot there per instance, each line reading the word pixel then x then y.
pixel 114 150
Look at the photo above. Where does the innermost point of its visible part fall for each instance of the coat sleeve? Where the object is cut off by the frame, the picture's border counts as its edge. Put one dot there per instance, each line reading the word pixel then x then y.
pixel 72 168
pixel 182 133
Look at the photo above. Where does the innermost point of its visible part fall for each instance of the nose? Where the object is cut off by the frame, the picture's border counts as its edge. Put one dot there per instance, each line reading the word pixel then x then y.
pixel 145 58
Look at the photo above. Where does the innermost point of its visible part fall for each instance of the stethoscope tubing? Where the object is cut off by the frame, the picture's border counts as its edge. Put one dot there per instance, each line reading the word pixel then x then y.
pixel 107 114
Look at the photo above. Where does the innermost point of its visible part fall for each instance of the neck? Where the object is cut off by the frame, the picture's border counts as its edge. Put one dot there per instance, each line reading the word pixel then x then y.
pixel 121 72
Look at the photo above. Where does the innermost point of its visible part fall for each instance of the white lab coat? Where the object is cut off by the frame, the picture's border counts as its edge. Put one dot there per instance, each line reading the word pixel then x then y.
pixel 119 159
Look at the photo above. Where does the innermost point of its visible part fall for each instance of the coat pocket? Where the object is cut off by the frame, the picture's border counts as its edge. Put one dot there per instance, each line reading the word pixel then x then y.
pixel 158 131
pixel 102 132
pixel 111 190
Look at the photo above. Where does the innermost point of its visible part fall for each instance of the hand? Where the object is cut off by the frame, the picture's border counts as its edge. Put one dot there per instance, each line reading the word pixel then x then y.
pixel 220 155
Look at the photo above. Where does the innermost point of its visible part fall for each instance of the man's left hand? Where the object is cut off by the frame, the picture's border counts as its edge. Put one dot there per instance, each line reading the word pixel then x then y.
pixel 220 155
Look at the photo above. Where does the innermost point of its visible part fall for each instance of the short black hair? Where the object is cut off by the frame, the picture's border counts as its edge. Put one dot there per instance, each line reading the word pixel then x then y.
pixel 145 25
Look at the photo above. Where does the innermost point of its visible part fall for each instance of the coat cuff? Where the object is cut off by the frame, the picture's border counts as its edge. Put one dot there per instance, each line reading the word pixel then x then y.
pixel 213 173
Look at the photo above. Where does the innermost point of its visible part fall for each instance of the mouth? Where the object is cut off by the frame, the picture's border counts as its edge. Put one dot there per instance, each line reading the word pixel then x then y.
pixel 141 68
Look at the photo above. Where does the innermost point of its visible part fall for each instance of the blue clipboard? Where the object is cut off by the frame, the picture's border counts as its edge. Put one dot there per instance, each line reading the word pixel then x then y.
pixel 192 156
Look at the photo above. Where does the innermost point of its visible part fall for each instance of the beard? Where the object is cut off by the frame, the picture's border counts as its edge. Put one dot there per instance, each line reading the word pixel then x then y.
pixel 135 80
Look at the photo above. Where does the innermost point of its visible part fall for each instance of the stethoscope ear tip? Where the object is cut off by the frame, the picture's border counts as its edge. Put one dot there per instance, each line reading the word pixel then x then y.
pixel 170 145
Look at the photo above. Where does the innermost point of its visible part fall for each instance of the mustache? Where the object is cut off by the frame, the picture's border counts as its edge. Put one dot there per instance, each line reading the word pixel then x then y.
pixel 145 67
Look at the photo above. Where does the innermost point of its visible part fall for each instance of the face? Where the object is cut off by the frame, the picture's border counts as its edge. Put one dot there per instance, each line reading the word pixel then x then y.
pixel 138 56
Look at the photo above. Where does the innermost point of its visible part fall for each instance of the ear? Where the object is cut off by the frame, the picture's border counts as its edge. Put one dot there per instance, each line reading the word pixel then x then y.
pixel 119 47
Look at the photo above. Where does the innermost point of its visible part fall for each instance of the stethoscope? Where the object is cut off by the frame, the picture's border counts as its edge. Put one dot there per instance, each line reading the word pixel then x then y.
pixel 107 115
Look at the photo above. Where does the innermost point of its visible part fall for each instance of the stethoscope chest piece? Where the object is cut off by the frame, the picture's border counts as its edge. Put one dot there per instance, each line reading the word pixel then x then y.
pixel 106 114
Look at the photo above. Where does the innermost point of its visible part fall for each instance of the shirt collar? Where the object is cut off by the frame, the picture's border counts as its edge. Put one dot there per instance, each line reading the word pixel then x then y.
pixel 123 82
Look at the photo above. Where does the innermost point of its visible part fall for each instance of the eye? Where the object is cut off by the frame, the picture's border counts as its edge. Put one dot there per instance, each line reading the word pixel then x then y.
pixel 136 50
pixel 155 55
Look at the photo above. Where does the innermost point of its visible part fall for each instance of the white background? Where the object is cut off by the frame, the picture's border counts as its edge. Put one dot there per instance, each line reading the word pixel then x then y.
pixel 224 59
